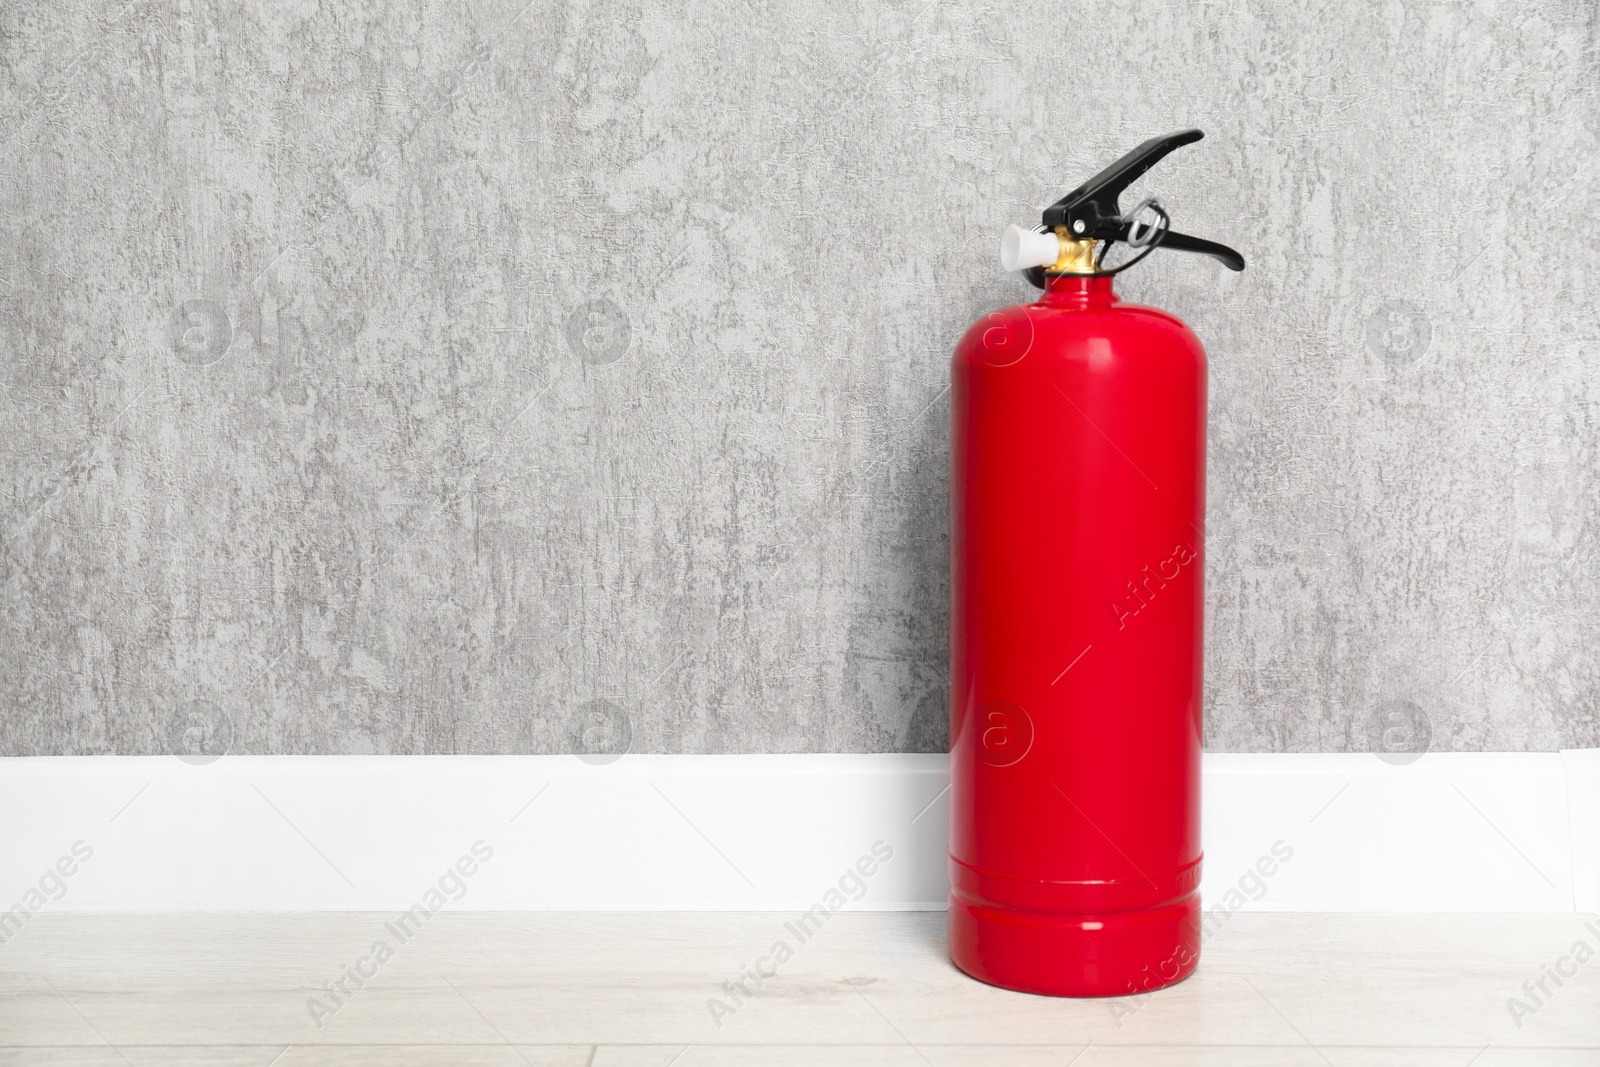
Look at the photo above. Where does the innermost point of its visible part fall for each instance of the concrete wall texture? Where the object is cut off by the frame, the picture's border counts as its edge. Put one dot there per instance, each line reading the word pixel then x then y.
pixel 544 377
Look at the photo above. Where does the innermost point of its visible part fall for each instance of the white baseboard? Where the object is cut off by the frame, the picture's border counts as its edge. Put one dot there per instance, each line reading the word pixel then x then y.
pixel 1449 832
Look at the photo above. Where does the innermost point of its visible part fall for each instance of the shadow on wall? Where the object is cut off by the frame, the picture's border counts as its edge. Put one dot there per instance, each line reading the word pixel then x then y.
pixel 922 547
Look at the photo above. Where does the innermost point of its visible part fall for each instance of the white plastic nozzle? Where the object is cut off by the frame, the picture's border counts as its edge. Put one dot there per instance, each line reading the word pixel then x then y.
pixel 1021 249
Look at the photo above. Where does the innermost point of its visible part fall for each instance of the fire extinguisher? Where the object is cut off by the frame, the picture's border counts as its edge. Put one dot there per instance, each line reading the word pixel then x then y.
pixel 1077 453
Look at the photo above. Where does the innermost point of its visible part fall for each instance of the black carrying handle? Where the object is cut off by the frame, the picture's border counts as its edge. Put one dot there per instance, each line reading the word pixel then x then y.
pixel 1182 242
pixel 1091 211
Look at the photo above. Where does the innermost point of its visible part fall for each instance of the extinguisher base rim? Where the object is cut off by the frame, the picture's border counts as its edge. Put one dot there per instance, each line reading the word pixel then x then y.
pixel 1111 954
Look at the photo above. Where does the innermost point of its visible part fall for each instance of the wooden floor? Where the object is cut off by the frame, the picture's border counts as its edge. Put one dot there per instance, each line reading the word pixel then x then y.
pixel 872 988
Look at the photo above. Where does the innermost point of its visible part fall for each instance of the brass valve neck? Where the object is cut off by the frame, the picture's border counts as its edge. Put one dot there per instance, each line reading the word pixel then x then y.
pixel 1077 255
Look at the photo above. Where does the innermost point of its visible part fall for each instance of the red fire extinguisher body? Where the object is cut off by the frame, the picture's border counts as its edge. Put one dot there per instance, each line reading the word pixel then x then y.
pixel 1078 498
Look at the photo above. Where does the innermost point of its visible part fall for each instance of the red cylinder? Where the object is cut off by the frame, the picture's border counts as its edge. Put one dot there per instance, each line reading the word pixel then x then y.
pixel 1077 456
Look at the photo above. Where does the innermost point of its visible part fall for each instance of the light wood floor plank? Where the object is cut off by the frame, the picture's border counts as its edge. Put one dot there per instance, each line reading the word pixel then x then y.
pixel 615 989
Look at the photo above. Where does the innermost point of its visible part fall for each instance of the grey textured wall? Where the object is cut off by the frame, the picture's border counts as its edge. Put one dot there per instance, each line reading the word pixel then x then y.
pixel 392 377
